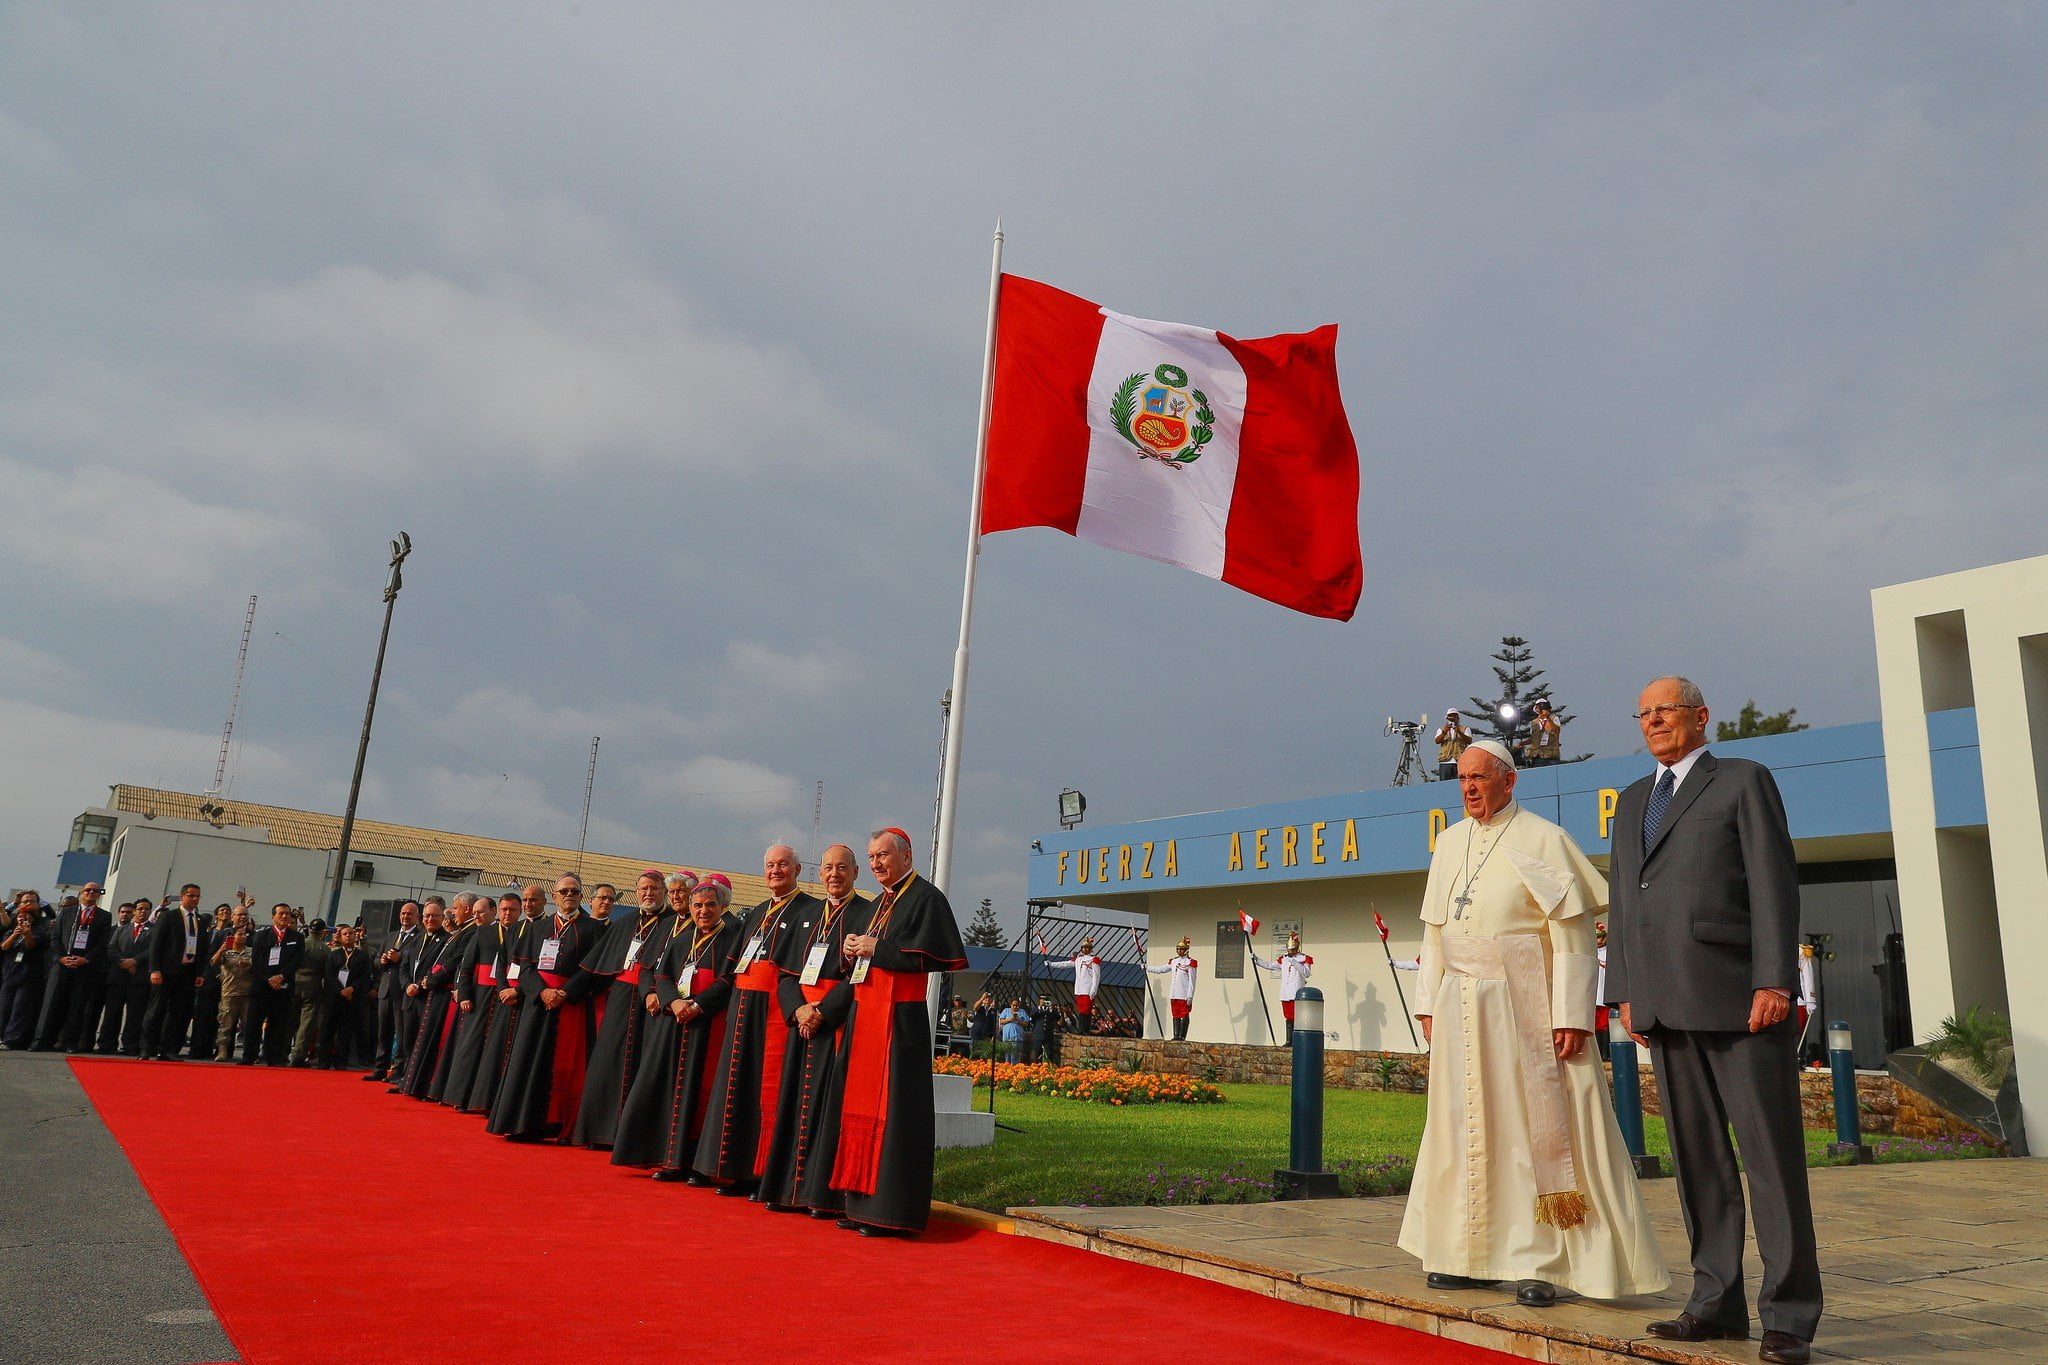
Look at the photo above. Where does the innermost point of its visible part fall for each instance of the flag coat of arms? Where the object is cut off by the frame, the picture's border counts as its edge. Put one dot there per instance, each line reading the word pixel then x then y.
pixel 1231 457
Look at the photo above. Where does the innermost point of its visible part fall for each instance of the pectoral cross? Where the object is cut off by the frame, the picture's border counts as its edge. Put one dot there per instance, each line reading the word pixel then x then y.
pixel 1463 903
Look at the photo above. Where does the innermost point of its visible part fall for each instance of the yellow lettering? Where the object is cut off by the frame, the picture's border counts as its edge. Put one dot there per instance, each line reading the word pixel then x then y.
pixel 1145 872
pixel 1123 862
pixel 1436 827
pixel 1102 863
pixel 1236 863
pixel 1259 848
pixel 1061 880
pixel 1609 798
pixel 1290 838
pixel 1350 851
pixel 1172 868
pixel 1315 841
pixel 1087 865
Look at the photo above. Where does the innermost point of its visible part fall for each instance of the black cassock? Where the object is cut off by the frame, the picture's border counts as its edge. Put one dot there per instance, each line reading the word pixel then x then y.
pixel 543 1082
pixel 622 963
pixel 495 1050
pixel 490 951
pixel 461 987
pixel 879 1105
pixel 437 1009
pixel 734 1147
pixel 664 1110
pixel 796 1176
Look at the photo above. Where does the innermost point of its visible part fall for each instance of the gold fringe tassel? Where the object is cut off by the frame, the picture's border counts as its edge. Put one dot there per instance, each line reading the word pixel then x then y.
pixel 1566 1209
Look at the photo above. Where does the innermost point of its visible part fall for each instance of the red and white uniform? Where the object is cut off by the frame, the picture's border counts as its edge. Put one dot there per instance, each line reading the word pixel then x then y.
pixel 1808 988
pixel 1181 991
pixel 1087 969
pixel 1294 968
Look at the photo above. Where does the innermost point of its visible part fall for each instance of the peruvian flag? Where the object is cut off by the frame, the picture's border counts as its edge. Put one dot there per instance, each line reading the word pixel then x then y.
pixel 1229 457
pixel 1381 924
pixel 1249 925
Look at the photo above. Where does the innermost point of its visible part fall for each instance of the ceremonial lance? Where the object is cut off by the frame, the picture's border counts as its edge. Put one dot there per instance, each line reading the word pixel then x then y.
pixel 1395 972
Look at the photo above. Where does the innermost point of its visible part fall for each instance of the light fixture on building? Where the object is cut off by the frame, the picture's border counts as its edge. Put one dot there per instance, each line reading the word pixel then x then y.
pixel 1073 806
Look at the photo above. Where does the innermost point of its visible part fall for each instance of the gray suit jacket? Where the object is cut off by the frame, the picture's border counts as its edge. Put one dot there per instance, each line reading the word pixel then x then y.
pixel 1709 913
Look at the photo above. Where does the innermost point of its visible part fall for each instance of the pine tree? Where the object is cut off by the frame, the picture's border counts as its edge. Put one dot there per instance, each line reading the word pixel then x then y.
pixel 984 932
pixel 1519 689
pixel 1751 722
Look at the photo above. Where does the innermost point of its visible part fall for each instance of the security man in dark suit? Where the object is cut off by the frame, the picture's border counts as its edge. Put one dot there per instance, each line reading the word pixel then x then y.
pixel 414 970
pixel 394 971
pixel 1702 957
pixel 273 961
pixel 346 984
pixel 78 975
pixel 176 945
pixel 127 986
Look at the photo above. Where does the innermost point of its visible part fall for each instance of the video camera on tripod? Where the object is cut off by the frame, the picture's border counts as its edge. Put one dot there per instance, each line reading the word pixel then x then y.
pixel 1410 732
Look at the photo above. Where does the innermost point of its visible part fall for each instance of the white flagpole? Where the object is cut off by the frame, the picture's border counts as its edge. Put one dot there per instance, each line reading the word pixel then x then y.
pixel 956 710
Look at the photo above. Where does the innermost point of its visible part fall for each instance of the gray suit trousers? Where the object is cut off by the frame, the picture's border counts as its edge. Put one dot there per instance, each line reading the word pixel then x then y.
pixel 1708 1081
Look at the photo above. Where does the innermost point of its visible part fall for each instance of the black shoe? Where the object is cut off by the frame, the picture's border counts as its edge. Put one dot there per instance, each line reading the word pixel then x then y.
pixel 376 1076
pixel 1782 1348
pixel 1535 1293
pixel 774 1207
pixel 870 1230
pixel 824 1214
pixel 735 1191
pixel 1438 1280
pixel 1686 1327
pixel 669 1175
pixel 848 1224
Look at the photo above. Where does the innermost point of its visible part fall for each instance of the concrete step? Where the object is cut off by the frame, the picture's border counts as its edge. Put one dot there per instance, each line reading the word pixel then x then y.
pixel 952 1094
pixel 963 1130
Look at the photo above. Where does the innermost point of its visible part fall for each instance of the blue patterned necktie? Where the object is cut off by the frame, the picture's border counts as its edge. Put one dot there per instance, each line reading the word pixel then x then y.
pixel 1653 814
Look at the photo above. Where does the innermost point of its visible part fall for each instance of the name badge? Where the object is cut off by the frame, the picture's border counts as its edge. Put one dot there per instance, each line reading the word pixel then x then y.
pixel 752 951
pixel 342 976
pixel 277 956
pixel 632 955
pixel 860 970
pixel 813 965
pixel 689 978
pixel 81 940
pixel 512 973
pixel 550 949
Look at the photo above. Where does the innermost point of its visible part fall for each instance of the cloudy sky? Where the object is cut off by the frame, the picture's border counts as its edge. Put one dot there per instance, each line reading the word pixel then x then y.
pixel 1667 333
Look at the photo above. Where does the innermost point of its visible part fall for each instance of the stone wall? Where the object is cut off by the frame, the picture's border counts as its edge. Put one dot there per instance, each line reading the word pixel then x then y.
pixel 1886 1107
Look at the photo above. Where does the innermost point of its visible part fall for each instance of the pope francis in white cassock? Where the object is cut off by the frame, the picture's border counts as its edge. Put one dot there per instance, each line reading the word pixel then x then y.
pixel 1522 1174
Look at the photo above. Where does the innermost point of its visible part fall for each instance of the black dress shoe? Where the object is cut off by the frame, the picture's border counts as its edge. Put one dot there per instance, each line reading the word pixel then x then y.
pixel 1535 1293
pixel 375 1076
pixel 1782 1348
pixel 831 1214
pixel 668 1175
pixel 1438 1280
pixel 870 1230
pixel 696 1181
pixel 848 1224
pixel 734 1191
pixel 1686 1327
pixel 774 1207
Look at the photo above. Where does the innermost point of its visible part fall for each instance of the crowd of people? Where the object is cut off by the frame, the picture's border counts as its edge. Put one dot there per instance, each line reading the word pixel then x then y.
pixel 780 1053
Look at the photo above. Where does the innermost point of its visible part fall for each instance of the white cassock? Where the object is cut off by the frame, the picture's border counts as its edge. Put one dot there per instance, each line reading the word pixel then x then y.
pixel 1513 1133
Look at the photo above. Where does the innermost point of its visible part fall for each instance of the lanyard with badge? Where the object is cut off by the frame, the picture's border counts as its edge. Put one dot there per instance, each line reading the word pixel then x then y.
pixel 686 981
pixel 769 924
pixel 639 939
pixel 814 961
pixel 81 936
pixel 551 948
pixel 277 948
pixel 877 926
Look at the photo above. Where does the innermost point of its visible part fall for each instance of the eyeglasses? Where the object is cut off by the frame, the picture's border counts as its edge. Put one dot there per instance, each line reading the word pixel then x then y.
pixel 1663 709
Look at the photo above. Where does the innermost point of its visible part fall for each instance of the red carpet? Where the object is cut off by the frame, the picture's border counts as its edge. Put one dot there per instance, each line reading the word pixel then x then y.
pixel 327 1220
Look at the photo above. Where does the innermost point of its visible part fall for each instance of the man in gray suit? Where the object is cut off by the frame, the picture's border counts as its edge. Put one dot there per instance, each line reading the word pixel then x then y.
pixel 1702 957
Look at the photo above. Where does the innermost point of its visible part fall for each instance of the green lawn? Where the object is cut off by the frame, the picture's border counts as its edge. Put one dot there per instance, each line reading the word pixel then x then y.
pixel 1073 1152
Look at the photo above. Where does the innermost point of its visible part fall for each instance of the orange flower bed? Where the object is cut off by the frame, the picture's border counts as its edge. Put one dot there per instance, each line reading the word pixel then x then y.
pixel 1101 1085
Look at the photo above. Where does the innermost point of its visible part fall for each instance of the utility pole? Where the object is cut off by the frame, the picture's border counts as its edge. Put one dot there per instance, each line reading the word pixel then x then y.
pixel 818 827
pixel 589 785
pixel 400 548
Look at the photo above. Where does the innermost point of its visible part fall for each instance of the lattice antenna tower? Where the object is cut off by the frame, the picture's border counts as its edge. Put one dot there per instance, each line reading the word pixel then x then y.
pixel 589 785
pixel 227 734
pixel 818 827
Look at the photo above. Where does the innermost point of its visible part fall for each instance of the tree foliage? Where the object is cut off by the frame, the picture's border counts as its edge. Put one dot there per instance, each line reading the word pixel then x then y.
pixel 983 931
pixel 1750 722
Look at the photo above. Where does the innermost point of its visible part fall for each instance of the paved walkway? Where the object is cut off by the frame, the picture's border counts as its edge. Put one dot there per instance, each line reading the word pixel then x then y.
pixel 1939 1261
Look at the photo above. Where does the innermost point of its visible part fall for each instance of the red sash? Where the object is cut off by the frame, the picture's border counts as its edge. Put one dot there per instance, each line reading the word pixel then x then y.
pixel 773 1050
pixel 813 994
pixel 571 1060
pixel 485 976
pixel 631 976
pixel 865 1108
pixel 448 1021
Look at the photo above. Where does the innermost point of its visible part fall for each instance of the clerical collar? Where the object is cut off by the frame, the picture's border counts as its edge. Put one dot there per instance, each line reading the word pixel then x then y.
pixel 908 878
pixel 1499 817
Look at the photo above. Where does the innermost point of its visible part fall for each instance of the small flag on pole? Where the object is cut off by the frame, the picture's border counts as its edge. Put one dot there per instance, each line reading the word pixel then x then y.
pixel 1231 457
pixel 1137 944
pixel 1038 946
pixel 1250 925
pixel 1380 924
